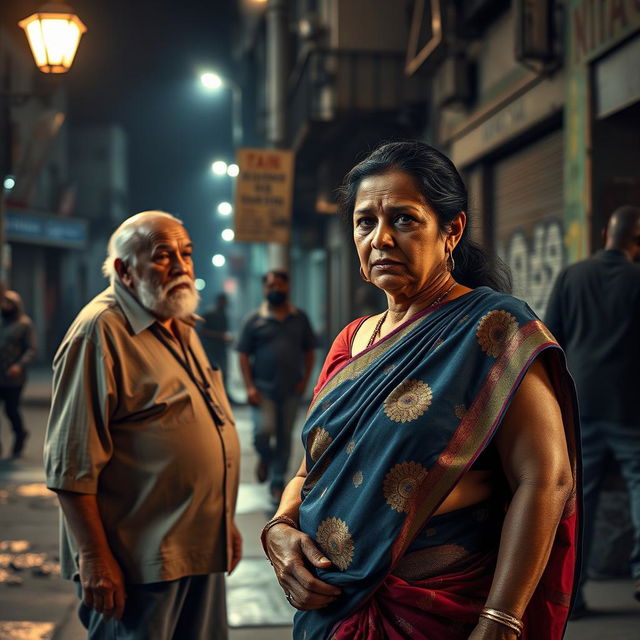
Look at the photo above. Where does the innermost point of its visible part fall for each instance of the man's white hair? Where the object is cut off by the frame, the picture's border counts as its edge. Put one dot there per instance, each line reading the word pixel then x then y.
pixel 126 240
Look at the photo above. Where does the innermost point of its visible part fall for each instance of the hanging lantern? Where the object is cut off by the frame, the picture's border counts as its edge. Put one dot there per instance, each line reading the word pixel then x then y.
pixel 54 33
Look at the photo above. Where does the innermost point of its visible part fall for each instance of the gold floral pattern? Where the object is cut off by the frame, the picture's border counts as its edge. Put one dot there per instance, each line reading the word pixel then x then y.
pixel 495 330
pixel 408 401
pixel 460 410
pixel 401 482
pixel 335 540
pixel 351 445
pixel 358 478
pixel 318 441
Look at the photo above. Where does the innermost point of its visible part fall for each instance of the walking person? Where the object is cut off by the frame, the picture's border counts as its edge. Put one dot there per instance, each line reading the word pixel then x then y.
pixel 17 350
pixel 276 352
pixel 141 448
pixel 594 313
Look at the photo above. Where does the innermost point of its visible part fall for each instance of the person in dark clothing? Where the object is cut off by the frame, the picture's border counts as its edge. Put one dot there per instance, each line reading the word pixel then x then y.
pixel 593 312
pixel 216 337
pixel 276 350
pixel 17 349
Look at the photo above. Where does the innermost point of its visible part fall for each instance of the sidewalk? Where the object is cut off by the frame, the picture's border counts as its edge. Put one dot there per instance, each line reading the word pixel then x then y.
pixel 36 605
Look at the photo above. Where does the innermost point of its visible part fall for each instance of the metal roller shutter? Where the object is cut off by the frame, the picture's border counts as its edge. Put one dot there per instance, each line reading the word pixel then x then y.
pixel 528 210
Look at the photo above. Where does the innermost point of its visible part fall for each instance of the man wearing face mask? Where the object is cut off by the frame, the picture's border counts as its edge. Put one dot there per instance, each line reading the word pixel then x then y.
pixel 276 348
pixel 17 349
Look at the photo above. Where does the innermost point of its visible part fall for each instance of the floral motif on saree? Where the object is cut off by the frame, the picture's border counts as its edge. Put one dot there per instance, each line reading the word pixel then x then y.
pixel 408 401
pixel 401 482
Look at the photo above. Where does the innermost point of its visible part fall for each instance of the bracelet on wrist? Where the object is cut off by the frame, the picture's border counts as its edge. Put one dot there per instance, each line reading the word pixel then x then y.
pixel 272 523
pixel 505 619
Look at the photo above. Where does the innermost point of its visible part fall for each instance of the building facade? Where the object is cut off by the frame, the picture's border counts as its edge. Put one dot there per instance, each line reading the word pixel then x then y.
pixel 537 104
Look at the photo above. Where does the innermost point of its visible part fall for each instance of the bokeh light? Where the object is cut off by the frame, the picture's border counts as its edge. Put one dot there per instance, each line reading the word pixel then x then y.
pixel 225 209
pixel 219 167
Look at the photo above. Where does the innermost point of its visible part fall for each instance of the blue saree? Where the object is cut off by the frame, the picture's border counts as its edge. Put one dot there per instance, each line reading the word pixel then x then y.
pixel 391 432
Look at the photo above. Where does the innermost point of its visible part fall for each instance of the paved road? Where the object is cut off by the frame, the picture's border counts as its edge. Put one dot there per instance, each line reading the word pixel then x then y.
pixel 41 604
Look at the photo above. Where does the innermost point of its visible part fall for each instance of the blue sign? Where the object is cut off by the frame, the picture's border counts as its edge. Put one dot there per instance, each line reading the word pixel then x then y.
pixel 50 230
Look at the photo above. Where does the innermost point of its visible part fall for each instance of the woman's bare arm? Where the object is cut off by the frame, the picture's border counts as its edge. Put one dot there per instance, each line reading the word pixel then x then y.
pixel 533 450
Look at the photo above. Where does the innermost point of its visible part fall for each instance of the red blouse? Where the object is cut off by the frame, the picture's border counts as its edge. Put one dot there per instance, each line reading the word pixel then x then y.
pixel 339 354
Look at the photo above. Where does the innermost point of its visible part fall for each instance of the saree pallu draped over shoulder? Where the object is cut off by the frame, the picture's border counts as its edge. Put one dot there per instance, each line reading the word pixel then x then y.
pixel 387 438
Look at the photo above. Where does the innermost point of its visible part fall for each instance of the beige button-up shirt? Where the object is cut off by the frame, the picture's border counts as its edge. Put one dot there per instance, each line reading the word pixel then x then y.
pixel 131 424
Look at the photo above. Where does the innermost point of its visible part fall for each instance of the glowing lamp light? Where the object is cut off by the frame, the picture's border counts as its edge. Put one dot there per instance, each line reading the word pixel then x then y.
pixel 218 260
pixel 211 81
pixel 200 284
pixel 8 183
pixel 228 235
pixel 54 33
pixel 233 170
pixel 225 209
pixel 219 167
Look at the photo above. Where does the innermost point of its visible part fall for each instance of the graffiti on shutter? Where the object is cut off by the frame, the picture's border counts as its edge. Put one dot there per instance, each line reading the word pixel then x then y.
pixel 535 260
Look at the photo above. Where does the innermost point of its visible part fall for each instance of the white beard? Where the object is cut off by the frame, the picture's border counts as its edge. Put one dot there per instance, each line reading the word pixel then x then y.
pixel 157 299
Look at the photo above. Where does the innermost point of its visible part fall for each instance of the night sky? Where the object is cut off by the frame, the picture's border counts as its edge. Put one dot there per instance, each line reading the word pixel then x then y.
pixel 138 65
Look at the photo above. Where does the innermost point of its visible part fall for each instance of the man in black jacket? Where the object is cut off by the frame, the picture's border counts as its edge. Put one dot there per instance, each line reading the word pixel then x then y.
pixel 594 313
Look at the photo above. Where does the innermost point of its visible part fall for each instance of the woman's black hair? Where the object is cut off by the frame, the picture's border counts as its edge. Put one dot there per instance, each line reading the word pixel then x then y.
pixel 442 187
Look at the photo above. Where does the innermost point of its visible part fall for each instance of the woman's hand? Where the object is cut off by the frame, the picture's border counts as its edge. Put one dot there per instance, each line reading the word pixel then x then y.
pixel 489 630
pixel 291 552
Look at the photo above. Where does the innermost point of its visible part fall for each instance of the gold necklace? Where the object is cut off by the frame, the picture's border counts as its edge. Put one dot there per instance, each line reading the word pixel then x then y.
pixel 380 322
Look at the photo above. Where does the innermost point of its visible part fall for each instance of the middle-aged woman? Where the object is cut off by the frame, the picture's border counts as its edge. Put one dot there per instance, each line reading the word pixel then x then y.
pixel 436 499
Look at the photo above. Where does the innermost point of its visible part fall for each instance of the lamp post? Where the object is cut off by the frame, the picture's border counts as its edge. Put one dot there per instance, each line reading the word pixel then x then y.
pixel 54 33
pixel 213 82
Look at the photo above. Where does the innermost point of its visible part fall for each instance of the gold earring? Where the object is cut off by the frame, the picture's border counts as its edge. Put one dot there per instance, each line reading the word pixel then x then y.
pixel 451 263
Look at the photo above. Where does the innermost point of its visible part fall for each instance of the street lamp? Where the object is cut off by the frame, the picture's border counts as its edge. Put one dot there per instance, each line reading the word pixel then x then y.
pixel 54 33
pixel 213 81
pixel 228 235
pixel 218 260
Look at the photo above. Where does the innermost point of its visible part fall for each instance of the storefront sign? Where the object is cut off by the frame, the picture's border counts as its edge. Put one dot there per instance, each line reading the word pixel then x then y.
pixel 597 25
pixel 264 193
pixel 46 230
pixel 617 79
pixel 532 107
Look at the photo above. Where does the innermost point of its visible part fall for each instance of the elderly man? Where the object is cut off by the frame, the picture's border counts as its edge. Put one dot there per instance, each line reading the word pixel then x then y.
pixel 141 448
